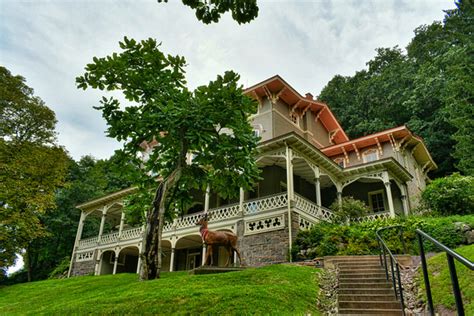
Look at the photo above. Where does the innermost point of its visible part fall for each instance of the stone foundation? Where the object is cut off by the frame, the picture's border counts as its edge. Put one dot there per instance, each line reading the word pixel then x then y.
pixel 83 268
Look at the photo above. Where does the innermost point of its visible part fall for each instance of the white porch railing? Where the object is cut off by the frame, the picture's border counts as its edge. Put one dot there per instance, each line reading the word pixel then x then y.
pixel 271 202
pixel 371 217
pixel 313 209
pixel 127 234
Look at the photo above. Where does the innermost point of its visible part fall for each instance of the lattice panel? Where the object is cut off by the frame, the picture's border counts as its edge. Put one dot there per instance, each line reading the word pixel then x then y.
pixel 188 220
pixel 269 203
pixel 371 217
pixel 264 224
pixel 84 256
pixel 313 209
pixel 225 212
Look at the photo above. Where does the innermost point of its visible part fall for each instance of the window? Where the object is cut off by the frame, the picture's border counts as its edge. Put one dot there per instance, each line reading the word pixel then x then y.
pixel 256 132
pixel 370 155
pixel 341 162
pixel 377 201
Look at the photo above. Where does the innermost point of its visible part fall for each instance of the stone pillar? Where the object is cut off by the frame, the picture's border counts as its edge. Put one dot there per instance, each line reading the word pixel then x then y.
pixel 241 201
pixel 204 249
pixel 206 200
pixel 102 222
pixel 172 260
pixel 290 192
pixel 115 264
pixel 122 221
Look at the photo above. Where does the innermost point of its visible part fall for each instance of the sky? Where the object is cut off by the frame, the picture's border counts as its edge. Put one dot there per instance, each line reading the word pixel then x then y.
pixel 306 42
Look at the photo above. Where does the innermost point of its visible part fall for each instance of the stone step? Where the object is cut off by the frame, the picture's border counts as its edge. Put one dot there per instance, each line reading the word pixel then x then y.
pixel 360 285
pixel 362 280
pixel 366 297
pixel 355 274
pixel 366 291
pixel 392 304
pixel 363 311
pixel 347 266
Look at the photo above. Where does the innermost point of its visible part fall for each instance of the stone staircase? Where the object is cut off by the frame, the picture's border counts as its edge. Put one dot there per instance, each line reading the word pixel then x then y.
pixel 363 288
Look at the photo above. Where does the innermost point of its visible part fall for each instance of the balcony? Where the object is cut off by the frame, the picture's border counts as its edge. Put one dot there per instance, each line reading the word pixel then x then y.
pixel 230 212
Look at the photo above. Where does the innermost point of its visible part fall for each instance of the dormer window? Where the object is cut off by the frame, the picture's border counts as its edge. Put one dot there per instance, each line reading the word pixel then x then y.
pixel 341 162
pixel 294 118
pixel 370 155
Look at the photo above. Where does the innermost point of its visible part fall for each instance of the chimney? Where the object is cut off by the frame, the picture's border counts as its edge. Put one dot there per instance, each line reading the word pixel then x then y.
pixel 309 96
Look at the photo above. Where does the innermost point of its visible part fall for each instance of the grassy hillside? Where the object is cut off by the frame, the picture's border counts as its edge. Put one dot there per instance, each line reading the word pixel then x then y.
pixel 440 281
pixel 278 289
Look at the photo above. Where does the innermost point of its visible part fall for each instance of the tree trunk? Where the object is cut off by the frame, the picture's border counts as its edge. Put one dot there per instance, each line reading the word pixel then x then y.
pixel 27 260
pixel 151 258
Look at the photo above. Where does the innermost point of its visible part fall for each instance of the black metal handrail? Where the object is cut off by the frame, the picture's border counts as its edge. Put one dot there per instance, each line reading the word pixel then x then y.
pixel 395 273
pixel 451 255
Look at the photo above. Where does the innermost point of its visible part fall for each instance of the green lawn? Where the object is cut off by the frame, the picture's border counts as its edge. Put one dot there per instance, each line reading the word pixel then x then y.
pixel 440 280
pixel 277 289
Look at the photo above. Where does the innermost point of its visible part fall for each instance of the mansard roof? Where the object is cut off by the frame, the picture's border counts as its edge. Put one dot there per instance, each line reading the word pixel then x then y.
pixel 276 88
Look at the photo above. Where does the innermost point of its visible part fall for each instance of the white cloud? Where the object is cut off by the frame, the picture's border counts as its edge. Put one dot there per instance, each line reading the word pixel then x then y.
pixel 306 42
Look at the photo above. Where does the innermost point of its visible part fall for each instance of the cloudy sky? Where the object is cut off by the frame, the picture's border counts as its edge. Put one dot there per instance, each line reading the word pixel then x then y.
pixel 305 42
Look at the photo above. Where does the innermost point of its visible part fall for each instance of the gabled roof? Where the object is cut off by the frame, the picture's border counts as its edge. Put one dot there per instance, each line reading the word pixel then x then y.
pixel 398 136
pixel 276 86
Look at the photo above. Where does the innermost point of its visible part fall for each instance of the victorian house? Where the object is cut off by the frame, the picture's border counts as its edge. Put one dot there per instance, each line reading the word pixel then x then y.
pixel 307 163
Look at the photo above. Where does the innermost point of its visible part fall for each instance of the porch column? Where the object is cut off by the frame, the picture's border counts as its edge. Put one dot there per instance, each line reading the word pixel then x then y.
pixel 172 260
pixel 317 186
pixel 102 222
pixel 115 263
pixel 290 192
pixel 339 193
pixel 204 248
pixel 404 197
pixel 122 221
pixel 390 199
pixel 241 201
pixel 80 227
pixel 206 199
pixel 139 263
pixel 97 263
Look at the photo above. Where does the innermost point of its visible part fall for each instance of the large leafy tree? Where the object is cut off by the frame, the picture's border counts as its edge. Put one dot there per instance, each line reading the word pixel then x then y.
pixel 32 167
pixel 209 11
pixel 210 124
pixel 430 89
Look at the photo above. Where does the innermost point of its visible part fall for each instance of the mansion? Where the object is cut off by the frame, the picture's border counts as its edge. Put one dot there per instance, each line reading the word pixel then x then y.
pixel 307 162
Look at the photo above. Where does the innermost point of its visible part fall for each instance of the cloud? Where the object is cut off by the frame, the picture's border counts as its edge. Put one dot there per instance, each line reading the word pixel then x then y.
pixel 306 42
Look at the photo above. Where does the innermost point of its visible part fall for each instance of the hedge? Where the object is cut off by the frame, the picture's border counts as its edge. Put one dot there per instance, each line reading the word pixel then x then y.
pixel 326 239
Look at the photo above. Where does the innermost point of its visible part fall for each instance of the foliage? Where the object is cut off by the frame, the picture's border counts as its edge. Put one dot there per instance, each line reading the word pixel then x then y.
pixel 450 195
pixel 429 89
pixel 243 11
pixel 61 270
pixel 209 123
pixel 440 280
pixel 325 239
pixel 349 208
pixel 32 167
pixel 281 289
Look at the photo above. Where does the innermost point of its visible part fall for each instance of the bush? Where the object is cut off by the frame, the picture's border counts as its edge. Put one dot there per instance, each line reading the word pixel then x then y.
pixel 327 239
pixel 61 270
pixel 349 208
pixel 450 195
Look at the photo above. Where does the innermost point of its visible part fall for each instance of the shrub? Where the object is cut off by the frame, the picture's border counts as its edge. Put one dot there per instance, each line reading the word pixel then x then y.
pixel 349 208
pixel 60 271
pixel 450 195
pixel 326 239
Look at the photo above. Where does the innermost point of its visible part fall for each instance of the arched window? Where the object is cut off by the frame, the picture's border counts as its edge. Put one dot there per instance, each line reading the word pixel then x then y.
pixel 370 155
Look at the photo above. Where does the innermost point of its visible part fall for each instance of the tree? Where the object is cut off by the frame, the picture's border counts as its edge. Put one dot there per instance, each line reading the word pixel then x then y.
pixel 209 124
pixel 31 167
pixel 243 11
